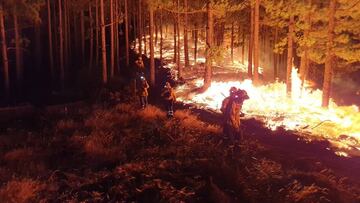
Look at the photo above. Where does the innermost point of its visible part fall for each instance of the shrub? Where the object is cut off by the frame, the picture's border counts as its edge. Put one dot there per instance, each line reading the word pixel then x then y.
pixel 25 161
pixel 19 191
pixel 19 155
pixel 102 145
pixel 151 114
pixel 101 119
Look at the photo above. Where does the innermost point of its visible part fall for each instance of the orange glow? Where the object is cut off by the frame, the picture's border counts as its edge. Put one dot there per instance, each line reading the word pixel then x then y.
pixel 301 112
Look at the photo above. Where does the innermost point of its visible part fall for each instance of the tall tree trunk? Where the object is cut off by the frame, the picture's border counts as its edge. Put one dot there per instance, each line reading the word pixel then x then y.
pixel 112 44
pixel 241 38
pixel 175 41
pixel 232 42
pixel 38 47
pixel 152 59
pixel 196 33
pixel 127 34
pixel 117 38
pixel 91 46
pixel 65 32
pixel 186 40
pixel 329 55
pixel 97 47
pixel 51 54
pixel 178 41
pixel 251 43
pixel 276 56
pixel 19 68
pixel 161 36
pixel 140 26
pixel 117 41
pixel 103 43
pixel 290 55
pixel 145 34
pixel 256 42
pixel 61 46
pixel 156 28
pixel 209 43
pixel 304 64
pixel 134 21
pixel 4 54
pixel 82 30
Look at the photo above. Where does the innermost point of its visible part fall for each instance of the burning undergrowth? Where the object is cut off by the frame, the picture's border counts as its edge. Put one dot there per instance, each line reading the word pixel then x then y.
pixel 301 112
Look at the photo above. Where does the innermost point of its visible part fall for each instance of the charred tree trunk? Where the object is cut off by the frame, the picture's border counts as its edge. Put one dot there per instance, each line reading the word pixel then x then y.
pixel 251 43
pixel 256 43
pixel 209 43
pixel 289 55
pixel 103 43
pixel 329 56
pixel 152 59
pixel 4 54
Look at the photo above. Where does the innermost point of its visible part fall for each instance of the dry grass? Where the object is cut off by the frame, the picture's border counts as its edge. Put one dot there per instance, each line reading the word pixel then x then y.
pixel 20 191
pixel 102 146
pixel 151 114
pixel 128 155
pixel 25 161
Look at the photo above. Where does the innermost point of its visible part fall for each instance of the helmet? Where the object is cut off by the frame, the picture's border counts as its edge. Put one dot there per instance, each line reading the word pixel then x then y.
pixel 233 90
pixel 240 96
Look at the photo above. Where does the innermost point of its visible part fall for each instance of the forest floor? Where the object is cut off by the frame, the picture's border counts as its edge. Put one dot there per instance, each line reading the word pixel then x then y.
pixel 114 152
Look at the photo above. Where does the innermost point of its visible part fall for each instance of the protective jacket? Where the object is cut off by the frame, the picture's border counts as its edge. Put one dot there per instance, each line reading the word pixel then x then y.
pixel 143 89
pixel 168 94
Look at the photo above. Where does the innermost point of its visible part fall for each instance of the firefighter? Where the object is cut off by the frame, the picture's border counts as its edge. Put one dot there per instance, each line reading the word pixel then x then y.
pixel 227 99
pixel 143 92
pixel 231 111
pixel 169 98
